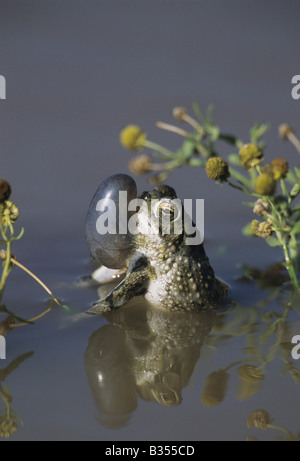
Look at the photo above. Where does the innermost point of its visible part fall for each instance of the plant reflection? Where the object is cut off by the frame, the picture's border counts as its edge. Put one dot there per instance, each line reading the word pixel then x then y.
pixel 9 421
pixel 145 352
pixel 261 419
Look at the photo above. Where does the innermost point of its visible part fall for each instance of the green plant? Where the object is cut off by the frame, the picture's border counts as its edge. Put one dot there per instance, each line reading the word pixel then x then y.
pixel 9 213
pixel 273 187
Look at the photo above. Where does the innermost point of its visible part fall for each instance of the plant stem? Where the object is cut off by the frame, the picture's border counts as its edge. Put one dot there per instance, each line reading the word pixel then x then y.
pixel 6 268
pixel 293 249
pixel 280 428
pixel 253 174
pixel 33 319
pixel 284 190
pixel 288 262
pixel 174 129
pixel 188 119
pixel 153 145
pixel 230 139
pixel 239 177
pixel 14 261
pixel 242 188
pixel 203 150
pixel 294 140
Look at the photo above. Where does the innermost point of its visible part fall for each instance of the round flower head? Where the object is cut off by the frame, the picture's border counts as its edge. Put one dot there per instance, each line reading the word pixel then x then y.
pixel 10 212
pixel 265 184
pixel 250 155
pixel 254 226
pixel 267 168
pixel 179 113
pixel 264 230
pixel 261 229
pixel 132 137
pixel 217 169
pixel 261 207
pixel 280 168
pixel 141 164
pixel 159 178
pixel 284 130
pixel 259 418
pixel 5 190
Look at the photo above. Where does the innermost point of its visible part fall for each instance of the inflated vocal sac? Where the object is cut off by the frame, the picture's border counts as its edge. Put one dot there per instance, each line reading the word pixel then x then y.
pixel 111 245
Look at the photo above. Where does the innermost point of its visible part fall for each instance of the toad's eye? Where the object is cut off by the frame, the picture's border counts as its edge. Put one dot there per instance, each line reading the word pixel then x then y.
pixel 167 210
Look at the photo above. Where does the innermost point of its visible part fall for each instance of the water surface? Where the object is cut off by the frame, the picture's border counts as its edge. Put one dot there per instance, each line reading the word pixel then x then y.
pixel 76 73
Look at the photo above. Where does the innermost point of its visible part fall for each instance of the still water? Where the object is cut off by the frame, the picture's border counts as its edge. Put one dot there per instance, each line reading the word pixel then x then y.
pixel 142 373
pixel 76 73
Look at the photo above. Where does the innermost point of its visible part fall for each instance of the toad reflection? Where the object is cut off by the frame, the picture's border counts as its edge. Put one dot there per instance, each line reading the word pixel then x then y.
pixel 143 352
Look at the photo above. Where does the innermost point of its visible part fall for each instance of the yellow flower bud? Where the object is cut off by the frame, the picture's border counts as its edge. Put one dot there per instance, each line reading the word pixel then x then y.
pixel 10 213
pixel 254 226
pixel 159 178
pixel 265 184
pixel 264 230
pixel 141 164
pixel 250 155
pixel 284 130
pixel 179 113
pixel 132 137
pixel 267 169
pixel 280 168
pixel 217 169
pixel 5 190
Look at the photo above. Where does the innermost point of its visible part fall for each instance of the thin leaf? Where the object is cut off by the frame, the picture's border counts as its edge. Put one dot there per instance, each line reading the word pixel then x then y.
pixel 209 113
pixel 17 317
pixel 297 171
pixel 296 228
pixel 187 149
pixel 295 190
pixel 198 112
pixel 246 230
pixel 18 236
pixel 249 204
pixel 234 159
pixel 273 242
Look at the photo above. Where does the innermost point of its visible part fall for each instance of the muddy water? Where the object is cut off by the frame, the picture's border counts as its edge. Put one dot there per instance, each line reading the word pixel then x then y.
pixel 76 73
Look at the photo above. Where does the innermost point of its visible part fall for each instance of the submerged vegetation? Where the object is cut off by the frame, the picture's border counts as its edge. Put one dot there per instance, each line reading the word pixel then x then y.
pixel 9 420
pixel 273 188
